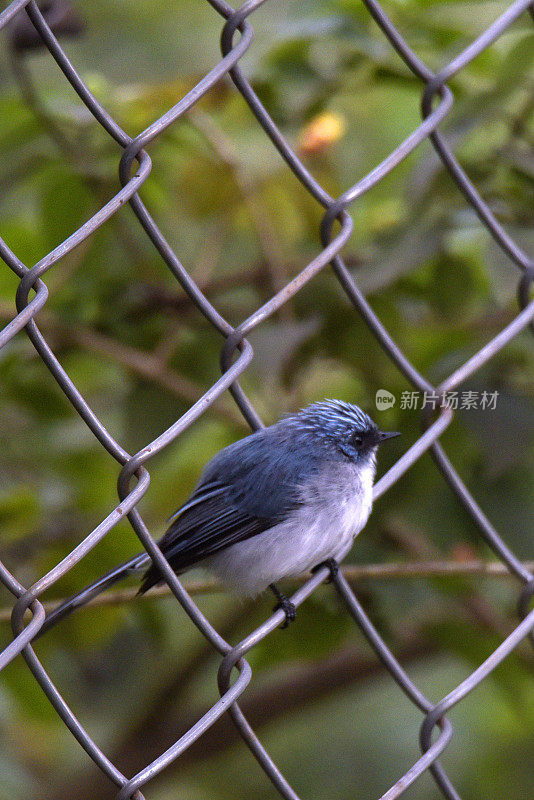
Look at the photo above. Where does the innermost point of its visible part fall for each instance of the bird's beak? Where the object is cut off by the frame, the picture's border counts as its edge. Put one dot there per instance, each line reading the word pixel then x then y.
pixel 381 436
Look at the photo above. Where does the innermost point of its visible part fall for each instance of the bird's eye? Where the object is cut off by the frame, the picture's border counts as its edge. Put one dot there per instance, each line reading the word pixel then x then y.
pixel 357 441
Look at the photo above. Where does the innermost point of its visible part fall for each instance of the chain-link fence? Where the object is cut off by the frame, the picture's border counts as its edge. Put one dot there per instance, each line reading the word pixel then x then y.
pixel 235 673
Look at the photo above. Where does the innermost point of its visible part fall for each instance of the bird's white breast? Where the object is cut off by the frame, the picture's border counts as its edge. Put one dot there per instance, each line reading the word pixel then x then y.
pixel 333 509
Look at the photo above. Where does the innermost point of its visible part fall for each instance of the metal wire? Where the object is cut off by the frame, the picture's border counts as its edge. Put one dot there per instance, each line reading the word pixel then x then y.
pixel 236 355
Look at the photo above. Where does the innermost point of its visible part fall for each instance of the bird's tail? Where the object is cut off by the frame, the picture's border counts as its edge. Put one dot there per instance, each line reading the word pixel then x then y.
pixel 134 565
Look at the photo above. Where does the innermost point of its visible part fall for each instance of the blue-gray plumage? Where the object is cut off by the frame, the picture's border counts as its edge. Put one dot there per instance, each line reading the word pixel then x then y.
pixel 276 503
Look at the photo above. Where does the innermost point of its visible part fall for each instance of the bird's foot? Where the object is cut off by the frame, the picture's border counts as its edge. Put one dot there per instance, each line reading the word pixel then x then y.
pixel 333 567
pixel 285 604
pixel 289 610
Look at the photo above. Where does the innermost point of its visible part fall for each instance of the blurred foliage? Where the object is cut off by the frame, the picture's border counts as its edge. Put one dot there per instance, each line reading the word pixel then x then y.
pixel 141 354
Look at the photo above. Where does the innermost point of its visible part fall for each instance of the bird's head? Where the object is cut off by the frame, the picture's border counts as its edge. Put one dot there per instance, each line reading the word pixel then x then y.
pixel 346 428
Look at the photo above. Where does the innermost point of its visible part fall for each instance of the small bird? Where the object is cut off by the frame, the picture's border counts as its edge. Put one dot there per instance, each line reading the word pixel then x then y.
pixel 279 502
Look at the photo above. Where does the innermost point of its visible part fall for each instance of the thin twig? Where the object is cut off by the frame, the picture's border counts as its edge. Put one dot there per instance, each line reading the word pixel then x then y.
pixel 353 573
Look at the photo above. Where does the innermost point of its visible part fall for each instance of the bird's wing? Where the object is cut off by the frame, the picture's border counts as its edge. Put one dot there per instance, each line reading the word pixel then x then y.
pixel 200 495
pixel 210 521
pixel 245 489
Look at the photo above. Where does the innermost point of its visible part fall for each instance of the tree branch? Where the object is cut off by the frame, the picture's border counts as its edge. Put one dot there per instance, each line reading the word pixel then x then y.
pixel 353 573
